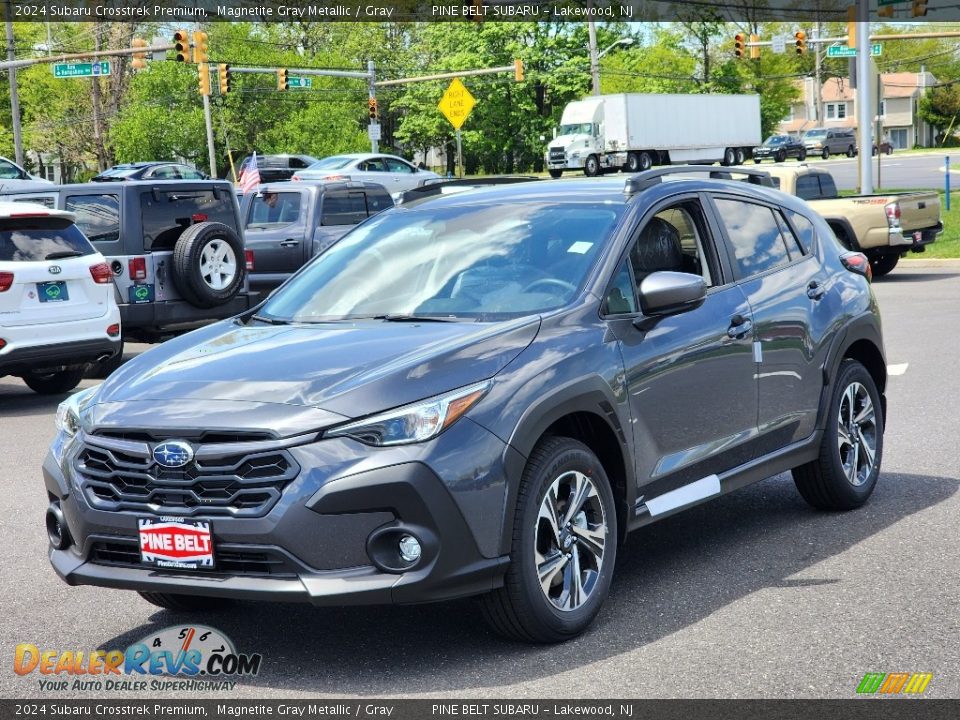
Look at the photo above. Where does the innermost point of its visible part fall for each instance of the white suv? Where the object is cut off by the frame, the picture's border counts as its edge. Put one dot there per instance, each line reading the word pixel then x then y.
pixel 57 309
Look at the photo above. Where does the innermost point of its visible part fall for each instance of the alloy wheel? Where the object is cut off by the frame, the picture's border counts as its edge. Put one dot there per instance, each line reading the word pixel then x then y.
pixel 218 264
pixel 569 540
pixel 857 433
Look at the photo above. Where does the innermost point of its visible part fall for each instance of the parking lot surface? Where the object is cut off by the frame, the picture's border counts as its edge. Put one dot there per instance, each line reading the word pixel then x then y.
pixel 751 595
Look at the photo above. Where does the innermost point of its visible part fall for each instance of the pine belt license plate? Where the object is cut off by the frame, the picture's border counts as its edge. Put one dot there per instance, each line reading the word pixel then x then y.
pixel 176 542
pixel 52 291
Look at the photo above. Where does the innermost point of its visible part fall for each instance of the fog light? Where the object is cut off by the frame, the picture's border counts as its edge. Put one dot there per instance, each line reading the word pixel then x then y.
pixel 409 548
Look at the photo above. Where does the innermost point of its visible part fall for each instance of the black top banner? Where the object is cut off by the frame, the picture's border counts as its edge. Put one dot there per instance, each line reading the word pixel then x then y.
pixel 187 11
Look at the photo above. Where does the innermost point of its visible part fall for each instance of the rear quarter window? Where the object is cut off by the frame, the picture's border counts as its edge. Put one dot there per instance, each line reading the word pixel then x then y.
pixel 343 208
pixel 37 239
pixel 98 215
pixel 166 214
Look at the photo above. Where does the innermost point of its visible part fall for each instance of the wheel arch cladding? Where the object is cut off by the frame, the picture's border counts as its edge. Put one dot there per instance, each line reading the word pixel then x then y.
pixel 868 355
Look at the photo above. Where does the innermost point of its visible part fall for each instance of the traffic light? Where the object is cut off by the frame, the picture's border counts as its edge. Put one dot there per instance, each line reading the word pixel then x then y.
pixel 801 41
pixel 203 75
pixel 139 58
pixel 919 8
pixel 283 82
pixel 885 11
pixel 852 26
pixel 754 48
pixel 739 44
pixel 182 45
pixel 518 70
pixel 372 109
pixel 200 47
pixel 223 72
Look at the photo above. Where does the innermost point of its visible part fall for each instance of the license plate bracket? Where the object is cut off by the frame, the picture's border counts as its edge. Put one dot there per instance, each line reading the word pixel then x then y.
pixel 52 291
pixel 176 543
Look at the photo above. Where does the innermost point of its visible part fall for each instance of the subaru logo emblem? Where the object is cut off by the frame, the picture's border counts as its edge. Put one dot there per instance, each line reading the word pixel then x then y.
pixel 54 269
pixel 173 453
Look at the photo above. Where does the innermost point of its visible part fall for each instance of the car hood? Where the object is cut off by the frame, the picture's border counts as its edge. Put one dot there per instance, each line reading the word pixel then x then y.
pixel 346 370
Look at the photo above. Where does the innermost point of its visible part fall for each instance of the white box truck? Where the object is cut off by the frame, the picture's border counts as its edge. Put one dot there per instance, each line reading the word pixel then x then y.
pixel 634 132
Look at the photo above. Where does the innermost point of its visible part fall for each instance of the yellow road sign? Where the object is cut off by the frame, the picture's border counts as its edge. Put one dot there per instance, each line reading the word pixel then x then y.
pixel 456 103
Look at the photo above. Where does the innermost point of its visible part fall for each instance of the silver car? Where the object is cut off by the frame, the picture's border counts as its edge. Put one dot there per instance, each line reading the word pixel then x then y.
pixel 394 173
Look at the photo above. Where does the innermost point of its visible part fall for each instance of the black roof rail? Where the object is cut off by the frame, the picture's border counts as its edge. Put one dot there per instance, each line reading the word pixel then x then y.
pixel 649 178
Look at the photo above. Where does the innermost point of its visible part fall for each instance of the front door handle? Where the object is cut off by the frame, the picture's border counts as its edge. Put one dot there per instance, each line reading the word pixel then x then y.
pixel 290 242
pixel 739 326
pixel 815 290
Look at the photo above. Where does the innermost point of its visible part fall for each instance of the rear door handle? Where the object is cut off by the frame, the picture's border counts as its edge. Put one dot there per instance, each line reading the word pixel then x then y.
pixel 815 290
pixel 289 242
pixel 739 326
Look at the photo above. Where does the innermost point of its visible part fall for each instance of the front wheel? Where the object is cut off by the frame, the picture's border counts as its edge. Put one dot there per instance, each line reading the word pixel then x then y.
pixel 802 155
pixel 54 383
pixel 756 161
pixel 845 473
pixel 729 157
pixel 825 154
pixel 555 173
pixel 563 549
pixel 591 167
pixel 781 156
pixel 633 163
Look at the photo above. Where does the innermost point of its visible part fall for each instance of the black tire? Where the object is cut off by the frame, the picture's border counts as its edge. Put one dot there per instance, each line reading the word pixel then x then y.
pixel 54 383
pixel 555 173
pixel 875 150
pixel 633 163
pixel 521 609
pixel 185 603
pixel 757 161
pixel 851 151
pixel 646 161
pixel 187 254
pixel 729 157
pixel 780 156
pixel 825 482
pixel 741 156
pixel 591 168
pixel 890 150
pixel 882 265
pixel 802 155
pixel 825 154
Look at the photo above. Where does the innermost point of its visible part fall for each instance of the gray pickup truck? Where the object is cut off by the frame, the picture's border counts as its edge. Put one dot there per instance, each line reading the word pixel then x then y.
pixel 288 223
pixel 175 248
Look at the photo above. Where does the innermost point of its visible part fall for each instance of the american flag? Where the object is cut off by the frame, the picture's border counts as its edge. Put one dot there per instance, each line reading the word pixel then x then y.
pixel 250 175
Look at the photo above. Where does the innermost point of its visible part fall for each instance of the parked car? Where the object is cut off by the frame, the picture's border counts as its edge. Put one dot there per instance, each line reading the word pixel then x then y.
pixel 831 141
pixel 780 147
pixel 278 168
pixel 884 227
pixel 481 394
pixel 11 174
pixel 174 247
pixel 885 147
pixel 394 173
pixel 150 171
pixel 57 311
pixel 287 224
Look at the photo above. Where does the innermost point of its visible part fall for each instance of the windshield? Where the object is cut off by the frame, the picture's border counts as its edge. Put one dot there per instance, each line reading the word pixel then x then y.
pixel 576 129
pixel 120 172
pixel 331 163
pixel 482 262
pixel 775 140
pixel 815 133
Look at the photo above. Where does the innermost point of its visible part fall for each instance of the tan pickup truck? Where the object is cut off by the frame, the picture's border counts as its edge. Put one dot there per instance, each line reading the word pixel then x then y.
pixel 882 227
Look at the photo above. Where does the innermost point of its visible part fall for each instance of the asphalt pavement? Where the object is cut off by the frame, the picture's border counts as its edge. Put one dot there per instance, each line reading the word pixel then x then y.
pixel 902 171
pixel 751 595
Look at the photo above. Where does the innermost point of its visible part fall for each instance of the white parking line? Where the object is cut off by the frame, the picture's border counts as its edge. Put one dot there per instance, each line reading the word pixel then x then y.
pixel 899 369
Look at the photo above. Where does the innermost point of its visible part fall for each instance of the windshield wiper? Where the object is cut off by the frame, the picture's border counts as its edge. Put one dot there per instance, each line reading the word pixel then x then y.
pixel 61 254
pixel 270 321
pixel 400 317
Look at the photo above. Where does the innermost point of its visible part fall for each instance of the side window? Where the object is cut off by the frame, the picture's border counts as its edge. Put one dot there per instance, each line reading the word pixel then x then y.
pixel 828 188
pixel 807 187
pixel 377 201
pixel 372 165
pixel 164 172
pixel 298 164
pixel 98 216
pixel 673 239
pixel 165 215
pixel 343 208
pixel 46 201
pixel 621 297
pixel 805 230
pixel 9 171
pixel 755 236
pixel 793 245
pixel 273 208
pixel 396 166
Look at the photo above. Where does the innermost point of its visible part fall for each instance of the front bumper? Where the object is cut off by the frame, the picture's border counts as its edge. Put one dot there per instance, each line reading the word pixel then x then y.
pixel 324 541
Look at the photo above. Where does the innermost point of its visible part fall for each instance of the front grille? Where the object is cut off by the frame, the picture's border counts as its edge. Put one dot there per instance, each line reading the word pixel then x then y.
pixel 235 479
pixel 198 436
pixel 557 155
pixel 231 560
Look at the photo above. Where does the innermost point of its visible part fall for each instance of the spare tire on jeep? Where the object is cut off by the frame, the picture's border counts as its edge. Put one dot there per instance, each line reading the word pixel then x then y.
pixel 208 264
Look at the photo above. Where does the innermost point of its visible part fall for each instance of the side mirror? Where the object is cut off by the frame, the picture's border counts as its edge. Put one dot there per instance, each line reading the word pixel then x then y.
pixel 669 293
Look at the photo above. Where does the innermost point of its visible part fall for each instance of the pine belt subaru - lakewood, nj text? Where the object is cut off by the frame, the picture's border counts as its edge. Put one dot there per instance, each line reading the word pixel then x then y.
pixel 480 394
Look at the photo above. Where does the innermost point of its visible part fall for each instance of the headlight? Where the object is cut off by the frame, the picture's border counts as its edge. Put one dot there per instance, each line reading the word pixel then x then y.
pixel 413 423
pixel 68 412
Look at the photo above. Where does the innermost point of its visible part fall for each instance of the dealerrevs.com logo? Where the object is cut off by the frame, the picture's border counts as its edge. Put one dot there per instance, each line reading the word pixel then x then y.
pixel 898 683
pixel 199 657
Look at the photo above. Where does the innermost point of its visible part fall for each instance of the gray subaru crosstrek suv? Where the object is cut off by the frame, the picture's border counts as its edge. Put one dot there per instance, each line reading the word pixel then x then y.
pixel 481 394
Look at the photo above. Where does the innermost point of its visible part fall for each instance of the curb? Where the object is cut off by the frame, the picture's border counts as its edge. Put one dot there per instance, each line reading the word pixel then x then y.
pixel 942 263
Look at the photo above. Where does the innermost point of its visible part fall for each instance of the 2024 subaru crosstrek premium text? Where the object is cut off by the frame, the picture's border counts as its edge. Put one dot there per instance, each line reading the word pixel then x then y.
pixel 481 394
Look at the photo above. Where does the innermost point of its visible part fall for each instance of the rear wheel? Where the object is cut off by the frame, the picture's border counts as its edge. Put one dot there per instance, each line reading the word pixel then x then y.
pixel 756 161
pixel 591 168
pixel 889 150
pixel 780 156
pixel 883 264
pixel 845 473
pixel 851 151
pixel 802 155
pixel 54 383
pixel 563 549
pixel 555 173
pixel 184 603
pixel 729 157
pixel 741 156
pixel 646 161
pixel 633 163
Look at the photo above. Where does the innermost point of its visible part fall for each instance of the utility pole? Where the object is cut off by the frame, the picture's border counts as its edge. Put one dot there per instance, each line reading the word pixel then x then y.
pixel 594 60
pixel 208 121
pixel 372 95
pixel 14 96
pixel 95 99
pixel 864 89
pixel 817 74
